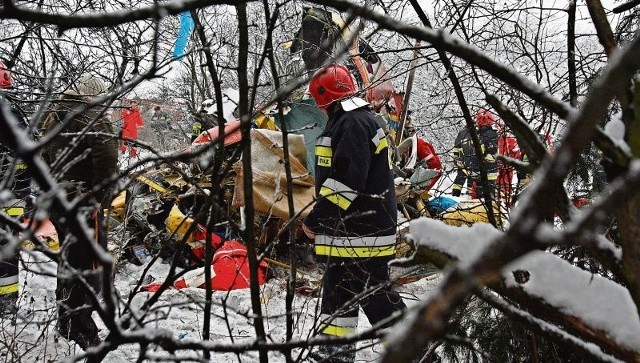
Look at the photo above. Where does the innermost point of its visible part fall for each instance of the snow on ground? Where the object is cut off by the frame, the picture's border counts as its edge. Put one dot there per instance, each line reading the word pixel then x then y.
pixel 33 338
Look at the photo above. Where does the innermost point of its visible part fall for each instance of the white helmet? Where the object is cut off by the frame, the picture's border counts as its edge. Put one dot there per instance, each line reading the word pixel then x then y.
pixel 207 103
pixel 89 85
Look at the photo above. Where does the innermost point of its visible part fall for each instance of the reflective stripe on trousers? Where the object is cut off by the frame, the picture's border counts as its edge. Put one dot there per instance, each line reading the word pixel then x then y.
pixel 8 285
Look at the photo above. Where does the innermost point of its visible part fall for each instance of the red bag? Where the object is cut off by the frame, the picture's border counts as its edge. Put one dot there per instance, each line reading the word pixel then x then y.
pixel 200 237
pixel 231 265
pixel 229 270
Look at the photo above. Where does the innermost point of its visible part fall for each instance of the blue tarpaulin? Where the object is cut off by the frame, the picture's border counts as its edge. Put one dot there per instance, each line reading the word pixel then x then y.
pixel 440 204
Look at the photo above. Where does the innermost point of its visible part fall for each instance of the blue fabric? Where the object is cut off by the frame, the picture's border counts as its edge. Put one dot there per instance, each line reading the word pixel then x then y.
pixel 392 124
pixel 440 204
pixel 186 27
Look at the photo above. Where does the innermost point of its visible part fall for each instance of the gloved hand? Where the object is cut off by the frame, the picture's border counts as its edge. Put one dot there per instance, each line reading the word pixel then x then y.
pixel 456 192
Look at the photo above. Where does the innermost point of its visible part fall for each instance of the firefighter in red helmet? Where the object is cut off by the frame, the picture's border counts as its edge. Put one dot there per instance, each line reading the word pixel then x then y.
pixel 353 221
pixel 468 163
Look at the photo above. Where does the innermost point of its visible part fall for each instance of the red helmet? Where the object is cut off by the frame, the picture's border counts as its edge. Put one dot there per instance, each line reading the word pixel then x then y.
pixel 5 76
pixel 332 84
pixel 485 118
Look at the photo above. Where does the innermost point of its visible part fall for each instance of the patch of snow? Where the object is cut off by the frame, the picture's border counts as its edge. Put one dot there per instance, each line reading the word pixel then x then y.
pixel 178 314
pixel 604 243
pixel 598 301
pixel 615 129
pixel 464 242
pixel 230 98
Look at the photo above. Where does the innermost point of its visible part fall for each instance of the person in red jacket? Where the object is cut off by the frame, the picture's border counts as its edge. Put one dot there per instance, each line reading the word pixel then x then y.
pixel 131 120
pixel 508 147
pixel 427 155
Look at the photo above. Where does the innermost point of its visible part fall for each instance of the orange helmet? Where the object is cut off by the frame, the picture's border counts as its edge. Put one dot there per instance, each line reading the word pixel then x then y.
pixel 485 118
pixel 5 76
pixel 331 84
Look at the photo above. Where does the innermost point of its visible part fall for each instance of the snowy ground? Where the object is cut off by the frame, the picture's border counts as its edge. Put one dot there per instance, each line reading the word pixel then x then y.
pixel 32 337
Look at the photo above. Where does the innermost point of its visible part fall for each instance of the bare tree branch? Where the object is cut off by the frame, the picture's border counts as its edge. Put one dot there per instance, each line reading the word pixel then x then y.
pixel 430 319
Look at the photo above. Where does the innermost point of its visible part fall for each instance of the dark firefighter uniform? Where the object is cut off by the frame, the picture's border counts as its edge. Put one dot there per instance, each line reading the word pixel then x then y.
pixel 88 139
pixel 355 223
pixel 468 164
pixel 15 178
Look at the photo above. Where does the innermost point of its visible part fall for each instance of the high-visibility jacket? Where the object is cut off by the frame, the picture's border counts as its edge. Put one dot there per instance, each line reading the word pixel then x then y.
pixel 355 214
pixel 468 163
pixel 12 169
pixel 16 178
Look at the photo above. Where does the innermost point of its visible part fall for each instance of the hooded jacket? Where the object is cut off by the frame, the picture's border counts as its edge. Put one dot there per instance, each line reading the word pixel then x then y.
pixel 83 152
pixel 355 214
